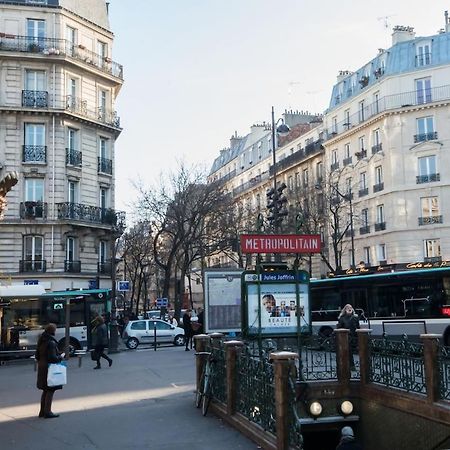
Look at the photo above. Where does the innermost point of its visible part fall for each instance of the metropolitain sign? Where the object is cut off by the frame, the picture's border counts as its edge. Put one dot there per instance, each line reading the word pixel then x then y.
pixel 280 243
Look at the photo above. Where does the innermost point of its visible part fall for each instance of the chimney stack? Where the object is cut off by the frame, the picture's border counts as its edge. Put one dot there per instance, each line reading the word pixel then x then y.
pixel 402 34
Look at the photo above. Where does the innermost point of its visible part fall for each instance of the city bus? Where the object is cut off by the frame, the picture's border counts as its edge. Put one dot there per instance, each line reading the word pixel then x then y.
pixel 397 300
pixel 24 313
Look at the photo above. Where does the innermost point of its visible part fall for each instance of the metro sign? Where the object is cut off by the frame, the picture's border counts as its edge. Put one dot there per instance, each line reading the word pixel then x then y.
pixel 280 243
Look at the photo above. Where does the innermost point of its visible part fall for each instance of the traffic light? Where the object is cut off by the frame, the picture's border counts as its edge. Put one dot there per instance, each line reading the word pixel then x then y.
pixel 281 200
pixel 271 205
pixel 276 204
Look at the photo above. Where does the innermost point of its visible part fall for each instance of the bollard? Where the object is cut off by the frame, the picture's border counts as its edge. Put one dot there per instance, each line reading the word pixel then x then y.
pixel 231 350
pixel 201 344
pixel 342 355
pixel 154 335
pixel 364 354
pixel 282 362
pixel 216 339
pixel 430 356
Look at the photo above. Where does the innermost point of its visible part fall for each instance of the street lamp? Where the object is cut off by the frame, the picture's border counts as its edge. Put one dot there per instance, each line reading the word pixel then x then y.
pixel 348 197
pixel 282 130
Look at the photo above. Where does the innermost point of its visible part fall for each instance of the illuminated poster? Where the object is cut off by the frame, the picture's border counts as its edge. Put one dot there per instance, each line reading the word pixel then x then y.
pixel 278 308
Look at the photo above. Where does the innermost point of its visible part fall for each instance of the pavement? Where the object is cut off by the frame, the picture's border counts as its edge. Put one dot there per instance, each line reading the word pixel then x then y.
pixel 144 401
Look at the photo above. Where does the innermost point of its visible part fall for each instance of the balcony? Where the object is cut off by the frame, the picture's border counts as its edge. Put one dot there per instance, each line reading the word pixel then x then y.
pixel 34 154
pixel 378 187
pixel 251 183
pixel 35 99
pixel 428 178
pixel 90 214
pixel 431 136
pixel 33 210
pixel 104 166
pixel 73 157
pixel 51 47
pixel 72 266
pixel 432 259
pixel 363 192
pixel 347 161
pixel 79 106
pixel 348 233
pixel 377 148
pixel 104 268
pixel 431 220
pixel 32 265
pixel 380 226
pixel 361 154
pixel 364 230
pixel 334 166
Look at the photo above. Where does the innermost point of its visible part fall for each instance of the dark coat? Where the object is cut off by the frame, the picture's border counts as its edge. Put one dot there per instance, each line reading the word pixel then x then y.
pixel 348 443
pixel 100 335
pixel 187 325
pixel 46 353
pixel 201 322
pixel 349 321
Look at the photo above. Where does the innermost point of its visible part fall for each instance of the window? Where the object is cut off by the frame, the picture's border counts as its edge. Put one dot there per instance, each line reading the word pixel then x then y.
pixel 319 172
pixel 34 134
pixel 102 251
pixel 103 198
pixel 72 192
pixel 104 148
pixel 423 90
pixel 376 137
pixel 334 157
pixel 102 50
pixel 70 249
pixel 361 111
pixel 425 129
pixel 423 55
pixel 378 175
pixel 363 180
pixel 361 144
pixel 35 94
pixel 291 183
pixel 365 217
pixel 432 248
pixel 429 206
pixel 381 253
pixel 250 156
pixel 366 253
pixel 141 325
pixel 334 125
pixel 34 189
pixel 33 247
pixel 71 37
pixel 72 139
pixel 297 179
pixel 259 150
pixel 102 105
pixel 427 165
pixel 348 186
pixel 380 213
pixel 305 177
pixel 242 160
pixel 376 102
pixel 347 153
pixel 36 30
pixel 347 118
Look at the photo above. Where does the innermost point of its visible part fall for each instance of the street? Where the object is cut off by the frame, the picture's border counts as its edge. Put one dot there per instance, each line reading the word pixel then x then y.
pixel 144 401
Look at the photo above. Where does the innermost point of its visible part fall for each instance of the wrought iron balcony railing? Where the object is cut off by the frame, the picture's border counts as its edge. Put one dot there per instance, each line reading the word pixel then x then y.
pixel 32 265
pixel 104 268
pixel 104 166
pixel 430 220
pixel 380 226
pixel 363 192
pixel 33 210
pixel 74 157
pixel 347 161
pixel 34 153
pixel 72 266
pixel 377 148
pixel 361 154
pixel 364 230
pixel 92 214
pixel 334 166
pixel 50 47
pixel 378 187
pixel 35 99
pixel 348 233
pixel 428 178
pixel 79 106
pixel 431 136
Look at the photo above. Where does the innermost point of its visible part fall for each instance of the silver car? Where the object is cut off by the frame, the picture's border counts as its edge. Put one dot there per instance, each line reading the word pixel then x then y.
pixel 143 332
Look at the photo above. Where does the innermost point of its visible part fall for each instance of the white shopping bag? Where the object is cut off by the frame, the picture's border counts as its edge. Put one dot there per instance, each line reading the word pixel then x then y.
pixel 57 374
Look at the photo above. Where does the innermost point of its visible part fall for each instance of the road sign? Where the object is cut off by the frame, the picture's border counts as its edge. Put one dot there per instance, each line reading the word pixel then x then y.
pixel 162 302
pixel 123 286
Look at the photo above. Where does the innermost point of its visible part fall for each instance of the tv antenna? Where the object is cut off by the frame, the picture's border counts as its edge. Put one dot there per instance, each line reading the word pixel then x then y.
pixel 386 22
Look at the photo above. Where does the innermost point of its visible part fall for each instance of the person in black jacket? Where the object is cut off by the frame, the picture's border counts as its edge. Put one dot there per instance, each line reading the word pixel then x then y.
pixel 46 353
pixel 100 338
pixel 349 319
pixel 348 441
pixel 188 331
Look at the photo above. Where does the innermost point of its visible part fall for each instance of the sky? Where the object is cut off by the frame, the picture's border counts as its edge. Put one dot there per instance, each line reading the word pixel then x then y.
pixel 197 71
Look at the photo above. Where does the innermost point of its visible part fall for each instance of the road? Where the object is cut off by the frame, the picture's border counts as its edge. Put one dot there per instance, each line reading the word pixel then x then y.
pixel 144 401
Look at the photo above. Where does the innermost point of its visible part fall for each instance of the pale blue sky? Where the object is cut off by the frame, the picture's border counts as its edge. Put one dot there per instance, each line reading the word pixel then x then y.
pixel 198 70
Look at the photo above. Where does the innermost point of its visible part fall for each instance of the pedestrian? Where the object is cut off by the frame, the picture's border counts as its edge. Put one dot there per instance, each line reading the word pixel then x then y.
pixel 47 353
pixel 100 339
pixel 349 319
pixel 188 331
pixel 172 320
pixel 348 441
pixel 201 321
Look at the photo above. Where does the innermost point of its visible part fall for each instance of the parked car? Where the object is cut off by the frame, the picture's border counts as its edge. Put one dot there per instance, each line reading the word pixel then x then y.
pixel 142 332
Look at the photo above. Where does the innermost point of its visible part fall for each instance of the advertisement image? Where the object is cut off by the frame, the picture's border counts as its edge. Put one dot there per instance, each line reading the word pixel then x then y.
pixel 275 308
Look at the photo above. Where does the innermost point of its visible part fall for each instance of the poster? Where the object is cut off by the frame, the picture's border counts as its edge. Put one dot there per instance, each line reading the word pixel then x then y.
pixel 278 308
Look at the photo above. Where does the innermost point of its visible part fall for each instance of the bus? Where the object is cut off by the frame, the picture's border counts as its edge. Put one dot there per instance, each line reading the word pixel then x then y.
pixel 397 300
pixel 24 313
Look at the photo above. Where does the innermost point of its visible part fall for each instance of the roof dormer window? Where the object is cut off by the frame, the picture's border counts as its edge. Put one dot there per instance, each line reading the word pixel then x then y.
pixel 423 54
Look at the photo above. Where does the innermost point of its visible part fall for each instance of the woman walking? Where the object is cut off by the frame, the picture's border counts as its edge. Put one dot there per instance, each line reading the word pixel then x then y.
pixel 47 353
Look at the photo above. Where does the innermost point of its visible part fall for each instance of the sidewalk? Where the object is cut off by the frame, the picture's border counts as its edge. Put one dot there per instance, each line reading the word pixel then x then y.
pixel 144 401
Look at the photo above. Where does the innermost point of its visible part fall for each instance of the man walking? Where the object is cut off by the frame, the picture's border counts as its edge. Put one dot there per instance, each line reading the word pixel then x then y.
pixel 100 340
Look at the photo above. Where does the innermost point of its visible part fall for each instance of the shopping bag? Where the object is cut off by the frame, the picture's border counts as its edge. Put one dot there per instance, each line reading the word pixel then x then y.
pixel 57 374
pixel 94 355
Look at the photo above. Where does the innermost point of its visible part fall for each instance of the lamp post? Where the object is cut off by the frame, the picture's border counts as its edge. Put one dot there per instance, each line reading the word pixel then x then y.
pixel 282 129
pixel 348 197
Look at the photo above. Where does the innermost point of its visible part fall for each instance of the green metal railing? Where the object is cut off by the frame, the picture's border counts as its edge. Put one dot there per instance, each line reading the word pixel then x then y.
pixel 398 364
pixel 255 397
